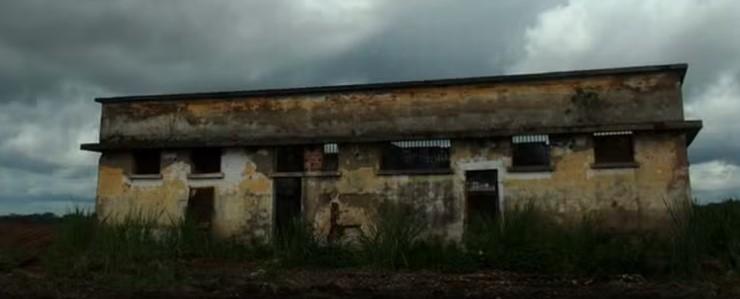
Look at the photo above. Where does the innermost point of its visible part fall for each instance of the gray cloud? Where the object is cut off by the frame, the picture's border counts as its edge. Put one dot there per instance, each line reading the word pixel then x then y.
pixel 441 40
pixel 585 34
pixel 55 56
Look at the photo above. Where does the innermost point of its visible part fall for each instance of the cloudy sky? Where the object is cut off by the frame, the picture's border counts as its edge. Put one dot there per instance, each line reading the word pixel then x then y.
pixel 57 55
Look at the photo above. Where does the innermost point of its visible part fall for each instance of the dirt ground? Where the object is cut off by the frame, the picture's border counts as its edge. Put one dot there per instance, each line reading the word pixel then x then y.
pixel 217 279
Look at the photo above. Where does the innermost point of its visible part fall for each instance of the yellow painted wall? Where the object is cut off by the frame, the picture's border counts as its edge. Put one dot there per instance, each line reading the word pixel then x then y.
pixel 629 198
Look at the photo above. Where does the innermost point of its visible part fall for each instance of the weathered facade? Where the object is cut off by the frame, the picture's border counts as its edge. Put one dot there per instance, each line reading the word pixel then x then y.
pixel 608 142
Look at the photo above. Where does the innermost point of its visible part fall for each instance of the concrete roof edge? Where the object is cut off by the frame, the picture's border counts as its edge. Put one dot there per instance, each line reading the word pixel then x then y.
pixel 681 68
pixel 691 127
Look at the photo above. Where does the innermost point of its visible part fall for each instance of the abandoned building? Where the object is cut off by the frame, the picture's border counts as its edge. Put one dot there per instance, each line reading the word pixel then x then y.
pixel 611 142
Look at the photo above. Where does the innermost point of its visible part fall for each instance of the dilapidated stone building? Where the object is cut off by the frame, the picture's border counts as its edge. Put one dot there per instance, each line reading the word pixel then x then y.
pixel 610 142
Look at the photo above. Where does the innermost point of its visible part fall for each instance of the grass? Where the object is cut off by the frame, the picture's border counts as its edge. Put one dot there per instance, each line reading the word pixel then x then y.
pixel 708 238
pixel 707 241
pixel 390 241
pixel 135 251
pixel 529 240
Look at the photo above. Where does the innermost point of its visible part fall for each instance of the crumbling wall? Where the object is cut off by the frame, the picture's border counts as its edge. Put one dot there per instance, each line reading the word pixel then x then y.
pixel 624 198
pixel 417 111
pixel 347 201
pixel 359 191
pixel 243 196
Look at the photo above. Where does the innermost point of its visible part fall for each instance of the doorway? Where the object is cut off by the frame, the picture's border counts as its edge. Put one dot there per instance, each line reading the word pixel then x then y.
pixel 288 195
pixel 200 207
pixel 481 196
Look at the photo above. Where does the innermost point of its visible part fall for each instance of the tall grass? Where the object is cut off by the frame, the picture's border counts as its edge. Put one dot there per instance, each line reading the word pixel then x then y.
pixel 136 247
pixel 529 240
pixel 297 244
pixel 706 240
pixel 389 241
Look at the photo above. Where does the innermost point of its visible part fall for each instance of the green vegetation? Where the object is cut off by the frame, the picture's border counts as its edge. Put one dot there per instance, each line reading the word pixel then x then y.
pixel 134 248
pixel 705 242
pixel 708 239
pixel 528 240
pixel 9 258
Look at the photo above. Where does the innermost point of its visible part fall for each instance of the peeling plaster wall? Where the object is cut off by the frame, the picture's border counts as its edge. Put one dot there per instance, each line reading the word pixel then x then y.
pixel 626 198
pixel 410 111
pixel 359 191
pixel 243 197
pixel 630 198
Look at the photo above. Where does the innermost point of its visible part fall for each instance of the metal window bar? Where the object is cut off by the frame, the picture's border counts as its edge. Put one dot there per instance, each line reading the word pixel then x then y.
pixel 331 148
pixel 613 133
pixel 443 143
pixel 539 138
pixel 417 154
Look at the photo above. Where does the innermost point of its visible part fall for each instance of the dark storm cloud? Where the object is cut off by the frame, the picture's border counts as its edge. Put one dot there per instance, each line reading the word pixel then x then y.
pixel 55 56
pixel 442 40
pixel 176 46
pixel 126 46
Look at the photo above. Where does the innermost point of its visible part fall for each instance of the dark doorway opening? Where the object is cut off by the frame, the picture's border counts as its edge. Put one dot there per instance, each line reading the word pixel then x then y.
pixel 288 194
pixel 482 197
pixel 200 207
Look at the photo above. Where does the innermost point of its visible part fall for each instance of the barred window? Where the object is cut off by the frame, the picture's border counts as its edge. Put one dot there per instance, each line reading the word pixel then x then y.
pixel 613 147
pixel 416 155
pixel 331 157
pixel 530 150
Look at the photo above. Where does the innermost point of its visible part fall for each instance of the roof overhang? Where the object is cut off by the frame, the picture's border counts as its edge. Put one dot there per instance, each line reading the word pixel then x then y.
pixel 690 128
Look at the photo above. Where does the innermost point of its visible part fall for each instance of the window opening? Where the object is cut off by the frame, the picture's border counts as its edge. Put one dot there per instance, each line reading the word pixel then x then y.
pixel 530 150
pixel 613 147
pixel 416 155
pixel 321 157
pixel 147 162
pixel 206 160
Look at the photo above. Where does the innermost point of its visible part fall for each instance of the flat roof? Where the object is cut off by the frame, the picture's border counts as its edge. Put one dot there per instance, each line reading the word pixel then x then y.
pixel 679 67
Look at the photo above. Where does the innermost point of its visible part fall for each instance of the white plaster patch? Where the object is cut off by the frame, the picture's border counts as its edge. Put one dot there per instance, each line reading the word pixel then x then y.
pixel 232 168
pixel 232 165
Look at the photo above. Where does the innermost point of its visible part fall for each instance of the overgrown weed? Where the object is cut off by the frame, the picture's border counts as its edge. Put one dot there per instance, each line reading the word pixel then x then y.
pixel 707 239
